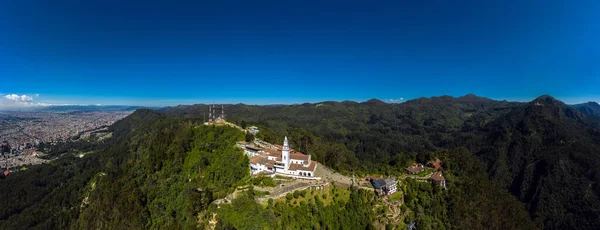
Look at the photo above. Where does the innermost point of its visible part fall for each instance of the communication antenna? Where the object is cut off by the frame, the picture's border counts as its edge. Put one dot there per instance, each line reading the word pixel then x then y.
pixel 209 113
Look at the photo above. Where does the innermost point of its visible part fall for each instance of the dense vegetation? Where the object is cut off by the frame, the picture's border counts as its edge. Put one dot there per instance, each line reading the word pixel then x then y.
pixel 544 152
pixel 158 173
pixel 508 165
pixel 352 212
pixel 472 202
pixel 364 137
pixel 168 177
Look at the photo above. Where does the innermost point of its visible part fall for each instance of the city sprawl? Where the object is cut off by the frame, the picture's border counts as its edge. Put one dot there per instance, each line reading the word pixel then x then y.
pixel 22 132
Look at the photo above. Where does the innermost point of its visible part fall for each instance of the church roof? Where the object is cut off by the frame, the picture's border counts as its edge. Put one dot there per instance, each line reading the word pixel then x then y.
pixel 273 152
pixel 257 159
pixel 311 167
pixel 262 160
pixel 299 156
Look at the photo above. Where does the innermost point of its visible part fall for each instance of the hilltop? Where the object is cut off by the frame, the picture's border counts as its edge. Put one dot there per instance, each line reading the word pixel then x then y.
pixel 507 164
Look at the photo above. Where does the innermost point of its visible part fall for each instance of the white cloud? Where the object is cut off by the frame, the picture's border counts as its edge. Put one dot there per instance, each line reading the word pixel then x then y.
pixel 17 101
pixel 394 101
pixel 14 97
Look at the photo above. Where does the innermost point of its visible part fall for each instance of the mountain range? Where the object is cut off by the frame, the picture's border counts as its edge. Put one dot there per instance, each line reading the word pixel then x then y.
pixel 544 152
pixel 589 108
pixel 509 165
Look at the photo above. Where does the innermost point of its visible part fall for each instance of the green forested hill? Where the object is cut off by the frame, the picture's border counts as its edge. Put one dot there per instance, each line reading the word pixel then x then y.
pixel 508 165
pixel 544 152
pixel 364 136
pixel 156 172
pixel 472 202
pixel 588 108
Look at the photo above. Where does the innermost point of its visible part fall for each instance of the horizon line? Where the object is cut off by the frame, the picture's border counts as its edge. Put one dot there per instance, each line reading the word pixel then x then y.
pixel 388 101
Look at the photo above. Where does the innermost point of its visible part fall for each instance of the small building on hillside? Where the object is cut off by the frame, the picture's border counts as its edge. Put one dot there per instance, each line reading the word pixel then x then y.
pixel 439 179
pixel 385 186
pixel 436 164
pixel 415 168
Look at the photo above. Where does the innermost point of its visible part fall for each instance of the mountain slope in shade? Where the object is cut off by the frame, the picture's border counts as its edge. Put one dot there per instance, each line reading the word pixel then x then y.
pixel 469 98
pixel 547 154
pixel 589 108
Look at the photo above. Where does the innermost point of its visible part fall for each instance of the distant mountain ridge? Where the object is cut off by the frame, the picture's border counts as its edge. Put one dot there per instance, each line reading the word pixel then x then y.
pixel 588 108
pixel 469 98
pixel 546 153
pixel 61 108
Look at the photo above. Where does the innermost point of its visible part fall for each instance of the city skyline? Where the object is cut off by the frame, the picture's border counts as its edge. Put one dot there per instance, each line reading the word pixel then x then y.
pixel 188 52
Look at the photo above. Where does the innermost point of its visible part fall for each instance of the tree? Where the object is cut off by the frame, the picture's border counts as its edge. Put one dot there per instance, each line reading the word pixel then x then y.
pixel 243 124
pixel 249 137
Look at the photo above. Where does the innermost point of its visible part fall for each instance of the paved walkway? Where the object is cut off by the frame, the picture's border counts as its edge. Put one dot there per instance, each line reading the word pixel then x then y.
pixel 327 174
pixel 280 191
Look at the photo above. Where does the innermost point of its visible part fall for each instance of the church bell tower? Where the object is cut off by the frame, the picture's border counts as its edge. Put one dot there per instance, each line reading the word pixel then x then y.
pixel 285 154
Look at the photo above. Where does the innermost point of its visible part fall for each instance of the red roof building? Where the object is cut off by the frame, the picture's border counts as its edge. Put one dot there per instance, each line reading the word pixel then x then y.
pixel 282 160
pixel 415 168
pixel 439 179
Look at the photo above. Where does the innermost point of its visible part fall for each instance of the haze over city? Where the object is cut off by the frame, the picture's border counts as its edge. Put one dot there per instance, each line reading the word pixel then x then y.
pixel 184 52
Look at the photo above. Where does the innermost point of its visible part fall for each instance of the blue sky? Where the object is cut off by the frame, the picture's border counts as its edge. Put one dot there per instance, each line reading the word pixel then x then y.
pixel 264 52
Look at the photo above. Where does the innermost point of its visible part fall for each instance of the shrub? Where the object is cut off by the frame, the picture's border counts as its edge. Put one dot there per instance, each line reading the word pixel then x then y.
pixel 296 194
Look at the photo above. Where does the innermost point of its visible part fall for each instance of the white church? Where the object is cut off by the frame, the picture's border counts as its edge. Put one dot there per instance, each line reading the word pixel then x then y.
pixel 285 162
